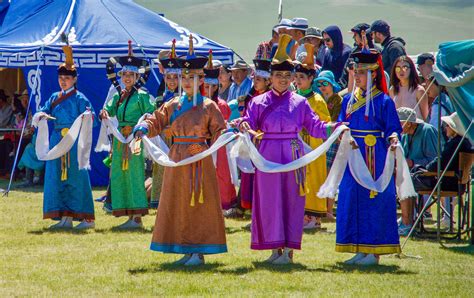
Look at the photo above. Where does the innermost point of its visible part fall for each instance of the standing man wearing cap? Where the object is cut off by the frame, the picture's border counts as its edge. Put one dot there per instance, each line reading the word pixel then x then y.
pixel 419 141
pixel 240 87
pixel 393 47
pixel 283 28
pixel 297 31
pixel 314 36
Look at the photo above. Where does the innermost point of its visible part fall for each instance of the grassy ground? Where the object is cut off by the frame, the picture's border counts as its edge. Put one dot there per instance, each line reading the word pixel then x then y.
pixel 241 25
pixel 106 262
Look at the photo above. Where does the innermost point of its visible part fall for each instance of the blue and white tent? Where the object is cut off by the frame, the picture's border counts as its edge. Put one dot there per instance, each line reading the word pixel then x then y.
pixel 98 29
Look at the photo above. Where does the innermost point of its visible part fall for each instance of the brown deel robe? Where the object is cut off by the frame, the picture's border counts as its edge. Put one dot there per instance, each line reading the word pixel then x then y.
pixel 181 227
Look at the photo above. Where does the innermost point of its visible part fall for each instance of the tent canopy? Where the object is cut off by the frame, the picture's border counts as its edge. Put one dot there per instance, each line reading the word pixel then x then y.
pixel 455 70
pixel 100 25
pixel 98 29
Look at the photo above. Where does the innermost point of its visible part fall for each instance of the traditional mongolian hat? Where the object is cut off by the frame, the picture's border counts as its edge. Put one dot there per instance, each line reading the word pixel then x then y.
pixel 281 60
pixel 262 66
pixel 307 65
pixel 370 60
pixel 191 64
pixel 68 67
pixel 211 73
pixel 168 59
pixel 129 63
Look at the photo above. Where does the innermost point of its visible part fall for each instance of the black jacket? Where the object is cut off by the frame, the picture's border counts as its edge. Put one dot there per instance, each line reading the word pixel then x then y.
pixel 448 151
pixel 393 47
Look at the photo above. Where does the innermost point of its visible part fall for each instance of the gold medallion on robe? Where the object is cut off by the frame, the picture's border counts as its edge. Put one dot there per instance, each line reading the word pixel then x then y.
pixel 64 131
pixel 370 140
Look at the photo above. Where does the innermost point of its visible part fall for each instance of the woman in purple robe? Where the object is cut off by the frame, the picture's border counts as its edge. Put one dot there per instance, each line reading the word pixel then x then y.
pixel 279 198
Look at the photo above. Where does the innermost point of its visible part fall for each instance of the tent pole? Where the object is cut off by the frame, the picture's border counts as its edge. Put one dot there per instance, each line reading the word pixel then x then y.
pixel 438 189
pixel 12 173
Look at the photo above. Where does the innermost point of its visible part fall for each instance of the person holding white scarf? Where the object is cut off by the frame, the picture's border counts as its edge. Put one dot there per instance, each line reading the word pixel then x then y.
pixel 189 219
pixel 67 189
pixel 127 168
pixel 366 221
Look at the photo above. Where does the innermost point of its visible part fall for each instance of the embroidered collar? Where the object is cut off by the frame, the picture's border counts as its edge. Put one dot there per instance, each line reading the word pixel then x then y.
pixel 277 93
pixel 360 100
pixel 64 92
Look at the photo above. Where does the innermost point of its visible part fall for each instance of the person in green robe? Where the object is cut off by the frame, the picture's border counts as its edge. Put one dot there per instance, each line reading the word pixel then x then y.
pixel 127 168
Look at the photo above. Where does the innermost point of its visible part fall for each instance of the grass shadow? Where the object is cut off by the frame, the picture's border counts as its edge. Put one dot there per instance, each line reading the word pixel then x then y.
pixel 464 250
pixel 376 269
pixel 319 231
pixel 171 267
pixel 231 230
pixel 14 188
pixel 117 230
pixel 58 231
pixel 216 267
pixel 288 268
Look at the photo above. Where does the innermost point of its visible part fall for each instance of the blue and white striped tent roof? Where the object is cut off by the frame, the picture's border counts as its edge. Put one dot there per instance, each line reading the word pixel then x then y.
pixel 98 29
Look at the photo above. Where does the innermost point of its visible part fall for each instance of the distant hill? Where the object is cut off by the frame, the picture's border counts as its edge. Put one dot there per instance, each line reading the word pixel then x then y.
pixel 242 24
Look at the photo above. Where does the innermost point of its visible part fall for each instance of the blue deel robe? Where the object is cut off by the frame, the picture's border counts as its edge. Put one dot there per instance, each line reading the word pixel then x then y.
pixel 364 224
pixel 72 197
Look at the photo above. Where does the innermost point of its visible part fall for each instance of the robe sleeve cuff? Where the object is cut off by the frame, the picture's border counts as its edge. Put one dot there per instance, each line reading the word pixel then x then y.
pixel 143 127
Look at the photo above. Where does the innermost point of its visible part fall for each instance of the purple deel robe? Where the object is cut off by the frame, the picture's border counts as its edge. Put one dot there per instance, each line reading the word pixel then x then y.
pixel 278 208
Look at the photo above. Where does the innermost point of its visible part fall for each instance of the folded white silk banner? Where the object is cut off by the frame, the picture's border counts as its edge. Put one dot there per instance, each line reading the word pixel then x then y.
pixel 346 155
pixel 110 126
pixel 81 129
pixel 244 149
pixel 161 157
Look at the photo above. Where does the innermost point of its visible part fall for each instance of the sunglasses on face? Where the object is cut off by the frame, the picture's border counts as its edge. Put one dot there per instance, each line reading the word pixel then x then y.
pixel 327 40
pixel 241 108
pixel 400 68
pixel 323 83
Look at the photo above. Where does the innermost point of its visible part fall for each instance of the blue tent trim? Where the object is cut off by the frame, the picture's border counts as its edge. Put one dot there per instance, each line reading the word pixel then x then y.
pixel 98 29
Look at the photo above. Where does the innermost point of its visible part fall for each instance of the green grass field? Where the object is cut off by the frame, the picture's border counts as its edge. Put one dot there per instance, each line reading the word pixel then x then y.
pixel 243 24
pixel 106 262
